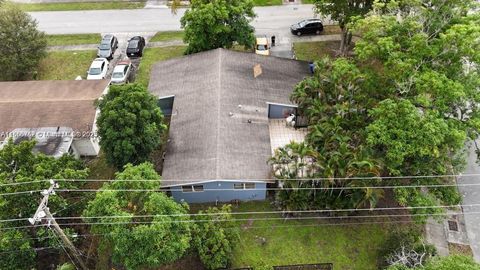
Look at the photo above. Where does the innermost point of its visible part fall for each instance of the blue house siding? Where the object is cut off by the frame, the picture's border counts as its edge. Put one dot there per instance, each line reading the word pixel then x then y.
pixel 222 195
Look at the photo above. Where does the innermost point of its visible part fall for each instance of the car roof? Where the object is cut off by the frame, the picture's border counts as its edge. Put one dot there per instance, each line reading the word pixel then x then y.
pixel 119 68
pixel 107 37
pixel 136 38
pixel 97 62
pixel 262 40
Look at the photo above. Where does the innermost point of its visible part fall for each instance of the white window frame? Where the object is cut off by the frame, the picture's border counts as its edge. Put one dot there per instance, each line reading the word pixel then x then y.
pixel 244 186
pixel 192 188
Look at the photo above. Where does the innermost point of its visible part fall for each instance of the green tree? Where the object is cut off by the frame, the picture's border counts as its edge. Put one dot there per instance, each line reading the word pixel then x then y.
pixel 211 24
pixel 452 262
pixel 343 12
pixel 23 46
pixel 151 229
pixel 19 166
pixel 130 124
pixel 215 236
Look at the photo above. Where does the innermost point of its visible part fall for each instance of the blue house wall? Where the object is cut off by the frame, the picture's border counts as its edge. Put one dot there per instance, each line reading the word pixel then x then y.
pixel 225 193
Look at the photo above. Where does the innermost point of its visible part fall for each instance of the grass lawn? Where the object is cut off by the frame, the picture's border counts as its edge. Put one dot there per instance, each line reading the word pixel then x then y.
pixel 308 1
pixel 81 6
pixel 267 2
pixel 73 39
pixel 65 65
pixel 310 51
pixel 167 36
pixel 331 30
pixel 99 168
pixel 153 55
pixel 347 247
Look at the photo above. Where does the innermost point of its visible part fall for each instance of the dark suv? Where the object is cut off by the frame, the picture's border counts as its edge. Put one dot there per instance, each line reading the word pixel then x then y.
pixel 135 46
pixel 311 26
pixel 107 47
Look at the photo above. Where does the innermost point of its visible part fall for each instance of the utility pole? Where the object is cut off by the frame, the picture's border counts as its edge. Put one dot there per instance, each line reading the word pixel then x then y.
pixel 43 214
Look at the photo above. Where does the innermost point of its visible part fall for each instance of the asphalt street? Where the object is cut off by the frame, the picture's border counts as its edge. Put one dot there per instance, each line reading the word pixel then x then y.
pixel 471 195
pixel 269 20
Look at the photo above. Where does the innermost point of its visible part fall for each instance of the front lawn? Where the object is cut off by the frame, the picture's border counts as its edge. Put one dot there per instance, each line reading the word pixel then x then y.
pixel 347 247
pixel 153 55
pixel 167 36
pixel 73 39
pixel 80 6
pixel 65 65
pixel 311 51
pixel 267 2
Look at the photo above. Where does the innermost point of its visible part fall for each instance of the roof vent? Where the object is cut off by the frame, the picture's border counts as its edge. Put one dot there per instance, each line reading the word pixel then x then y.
pixel 230 114
pixel 257 70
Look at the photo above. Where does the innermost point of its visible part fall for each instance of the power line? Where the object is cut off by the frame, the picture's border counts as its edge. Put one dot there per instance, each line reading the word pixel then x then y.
pixel 259 219
pixel 257 189
pixel 258 179
pixel 263 212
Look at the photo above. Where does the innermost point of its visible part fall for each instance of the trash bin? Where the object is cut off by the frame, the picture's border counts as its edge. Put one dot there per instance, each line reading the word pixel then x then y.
pixel 311 65
pixel 273 41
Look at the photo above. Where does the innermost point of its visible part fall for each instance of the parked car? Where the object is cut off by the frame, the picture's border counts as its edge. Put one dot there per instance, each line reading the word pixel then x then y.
pixel 135 46
pixel 261 46
pixel 107 47
pixel 310 26
pixel 122 72
pixel 98 69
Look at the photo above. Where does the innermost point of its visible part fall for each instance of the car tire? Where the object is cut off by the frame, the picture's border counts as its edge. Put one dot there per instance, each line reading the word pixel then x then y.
pixel 299 33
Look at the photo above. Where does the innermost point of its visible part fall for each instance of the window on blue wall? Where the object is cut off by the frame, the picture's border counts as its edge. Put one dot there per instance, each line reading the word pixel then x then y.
pixel 194 188
pixel 187 189
pixel 244 186
pixel 198 188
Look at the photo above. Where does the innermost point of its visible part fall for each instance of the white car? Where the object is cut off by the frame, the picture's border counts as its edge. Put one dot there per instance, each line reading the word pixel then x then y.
pixel 121 72
pixel 98 69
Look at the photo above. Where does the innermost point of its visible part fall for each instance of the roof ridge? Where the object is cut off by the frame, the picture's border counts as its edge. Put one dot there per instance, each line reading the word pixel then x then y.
pixel 219 85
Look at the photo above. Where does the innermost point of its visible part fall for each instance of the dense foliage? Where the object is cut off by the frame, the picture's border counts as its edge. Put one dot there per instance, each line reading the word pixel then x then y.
pixel 402 106
pixel 214 236
pixel 160 236
pixel 23 46
pixel 18 164
pixel 130 124
pixel 211 24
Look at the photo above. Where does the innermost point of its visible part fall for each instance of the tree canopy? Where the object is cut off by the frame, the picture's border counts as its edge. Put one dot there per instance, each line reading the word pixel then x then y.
pixel 403 105
pixel 215 236
pixel 130 124
pixel 161 236
pixel 23 46
pixel 218 24
pixel 22 171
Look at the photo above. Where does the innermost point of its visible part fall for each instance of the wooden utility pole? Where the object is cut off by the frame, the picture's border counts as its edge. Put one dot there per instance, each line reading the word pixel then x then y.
pixel 43 214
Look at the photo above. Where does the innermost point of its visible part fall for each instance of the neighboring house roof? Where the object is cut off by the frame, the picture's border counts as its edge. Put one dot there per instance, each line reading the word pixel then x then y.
pixel 52 141
pixel 219 127
pixel 35 104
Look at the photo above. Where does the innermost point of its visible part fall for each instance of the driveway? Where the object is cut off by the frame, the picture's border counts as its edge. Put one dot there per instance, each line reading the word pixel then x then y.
pixel 471 195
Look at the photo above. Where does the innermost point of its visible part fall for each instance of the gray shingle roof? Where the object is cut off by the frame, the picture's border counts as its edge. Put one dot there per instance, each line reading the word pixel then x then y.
pixel 219 127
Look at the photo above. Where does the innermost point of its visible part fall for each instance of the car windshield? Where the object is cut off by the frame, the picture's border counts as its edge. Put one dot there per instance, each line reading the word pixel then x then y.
pixel 95 71
pixel 261 47
pixel 104 47
pixel 117 75
pixel 302 23
pixel 133 44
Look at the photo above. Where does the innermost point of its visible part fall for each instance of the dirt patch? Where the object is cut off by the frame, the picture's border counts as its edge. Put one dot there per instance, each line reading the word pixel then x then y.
pixel 454 248
pixel 188 262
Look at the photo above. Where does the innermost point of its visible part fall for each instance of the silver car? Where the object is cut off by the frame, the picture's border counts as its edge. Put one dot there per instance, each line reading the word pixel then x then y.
pixel 122 72
pixel 107 47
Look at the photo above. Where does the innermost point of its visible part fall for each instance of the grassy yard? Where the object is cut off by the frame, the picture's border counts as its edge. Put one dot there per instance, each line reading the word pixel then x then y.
pixel 153 55
pixel 99 168
pixel 267 2
pixel 347 247
pixel 81 6
pixel 65 65
pixel 331 30
pixel 73 39
pixel 310 51
pixel 167 36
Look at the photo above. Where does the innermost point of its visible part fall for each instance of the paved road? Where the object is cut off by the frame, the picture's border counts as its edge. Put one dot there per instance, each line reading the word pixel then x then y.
pixel 274 19
pixel 471 195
